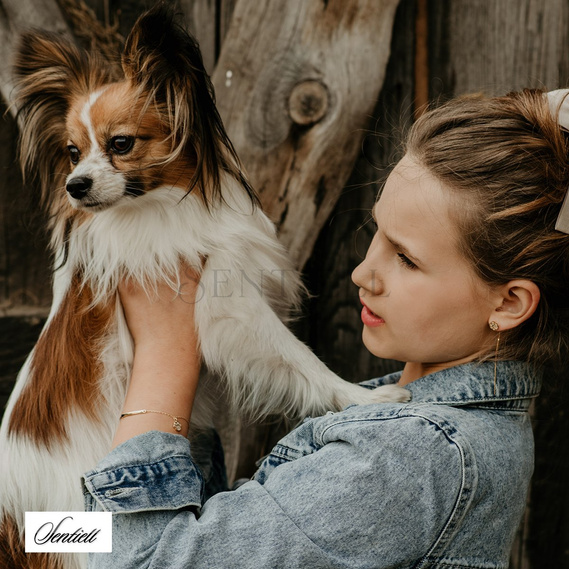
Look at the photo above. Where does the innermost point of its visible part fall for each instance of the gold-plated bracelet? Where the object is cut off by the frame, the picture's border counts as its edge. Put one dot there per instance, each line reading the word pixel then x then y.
pixel 176 425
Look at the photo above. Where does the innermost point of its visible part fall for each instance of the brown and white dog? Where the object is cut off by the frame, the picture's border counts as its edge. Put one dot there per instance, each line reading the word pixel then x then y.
pixel 137 173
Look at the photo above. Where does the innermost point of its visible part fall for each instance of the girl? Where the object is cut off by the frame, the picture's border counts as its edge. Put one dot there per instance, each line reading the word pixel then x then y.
pixel 465 281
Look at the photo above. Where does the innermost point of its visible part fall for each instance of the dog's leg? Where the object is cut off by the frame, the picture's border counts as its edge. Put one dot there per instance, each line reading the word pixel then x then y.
pixel 268 369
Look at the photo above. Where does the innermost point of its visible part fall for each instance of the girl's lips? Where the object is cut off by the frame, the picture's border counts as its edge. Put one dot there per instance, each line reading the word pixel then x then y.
pixel 369 318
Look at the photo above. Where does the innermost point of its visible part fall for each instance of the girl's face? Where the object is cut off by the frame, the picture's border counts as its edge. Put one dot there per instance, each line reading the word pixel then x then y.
pixel 422 302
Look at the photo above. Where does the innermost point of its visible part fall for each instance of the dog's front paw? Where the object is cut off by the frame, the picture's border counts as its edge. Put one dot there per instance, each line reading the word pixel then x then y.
pixel 384 394
pixel 390 394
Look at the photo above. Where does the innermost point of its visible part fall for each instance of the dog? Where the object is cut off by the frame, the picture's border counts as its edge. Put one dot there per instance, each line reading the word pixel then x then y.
pixel 138 174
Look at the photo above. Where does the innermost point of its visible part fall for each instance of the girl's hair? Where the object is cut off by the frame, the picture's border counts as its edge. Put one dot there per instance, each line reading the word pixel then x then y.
pixel 507 161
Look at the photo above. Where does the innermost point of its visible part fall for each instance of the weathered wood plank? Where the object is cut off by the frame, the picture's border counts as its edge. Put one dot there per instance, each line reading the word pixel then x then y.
pixel 333 326
pixel 25 291
pixel 497 46
pixel 24 261
pixel 271 50
pixel 17 337
pixel 547 524
pixel 224 17
pixel 202 23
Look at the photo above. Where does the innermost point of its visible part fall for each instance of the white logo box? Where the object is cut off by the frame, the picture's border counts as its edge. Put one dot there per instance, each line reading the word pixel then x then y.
pixel 69 532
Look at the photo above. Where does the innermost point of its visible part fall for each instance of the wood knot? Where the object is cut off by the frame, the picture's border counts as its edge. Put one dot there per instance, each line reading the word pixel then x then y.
pixel 308 102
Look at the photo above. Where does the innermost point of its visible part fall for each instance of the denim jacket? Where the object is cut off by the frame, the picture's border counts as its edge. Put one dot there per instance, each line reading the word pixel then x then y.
pixel 439 482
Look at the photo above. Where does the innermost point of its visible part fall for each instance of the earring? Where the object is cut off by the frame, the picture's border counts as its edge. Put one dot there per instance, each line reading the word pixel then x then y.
pixel 494 326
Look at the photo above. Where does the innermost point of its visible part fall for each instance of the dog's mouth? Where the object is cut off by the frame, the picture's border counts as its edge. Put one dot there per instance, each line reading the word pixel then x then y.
pixel 95 205
pixel 100 205
pixel 91 205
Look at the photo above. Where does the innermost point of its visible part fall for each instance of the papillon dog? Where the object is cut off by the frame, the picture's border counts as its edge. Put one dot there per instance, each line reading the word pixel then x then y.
pixel 138 174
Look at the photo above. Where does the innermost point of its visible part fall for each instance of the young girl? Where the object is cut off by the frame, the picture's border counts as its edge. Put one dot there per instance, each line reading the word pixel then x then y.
pixel 465 281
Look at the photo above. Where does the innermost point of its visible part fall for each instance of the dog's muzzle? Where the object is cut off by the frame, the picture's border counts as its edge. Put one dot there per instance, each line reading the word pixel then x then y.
pixel 79 187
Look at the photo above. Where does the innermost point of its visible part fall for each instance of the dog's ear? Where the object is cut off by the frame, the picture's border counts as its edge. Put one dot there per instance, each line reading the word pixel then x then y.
pixel 49 71
pixel 164 61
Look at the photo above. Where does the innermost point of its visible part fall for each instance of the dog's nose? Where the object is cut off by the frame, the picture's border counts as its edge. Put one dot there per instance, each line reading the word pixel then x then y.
pixel 78 187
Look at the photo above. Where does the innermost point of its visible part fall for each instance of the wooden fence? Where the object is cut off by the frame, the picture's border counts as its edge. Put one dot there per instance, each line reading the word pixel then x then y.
pixel 434 49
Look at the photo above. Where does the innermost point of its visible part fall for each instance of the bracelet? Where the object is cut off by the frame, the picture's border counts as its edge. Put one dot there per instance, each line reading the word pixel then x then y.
pixel 176 424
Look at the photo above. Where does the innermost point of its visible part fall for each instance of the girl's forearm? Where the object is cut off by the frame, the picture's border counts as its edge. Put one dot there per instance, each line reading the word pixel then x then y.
pixel 167 359
pixel 162 380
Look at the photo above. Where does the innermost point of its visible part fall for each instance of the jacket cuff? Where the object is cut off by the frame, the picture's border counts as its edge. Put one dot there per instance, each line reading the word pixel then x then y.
pixel 152 471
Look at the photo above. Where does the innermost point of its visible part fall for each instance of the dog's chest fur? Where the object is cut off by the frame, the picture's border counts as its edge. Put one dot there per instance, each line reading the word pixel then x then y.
pixel 145 242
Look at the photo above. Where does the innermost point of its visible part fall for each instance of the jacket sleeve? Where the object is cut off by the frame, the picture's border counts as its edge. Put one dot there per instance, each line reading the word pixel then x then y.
pixel 341 506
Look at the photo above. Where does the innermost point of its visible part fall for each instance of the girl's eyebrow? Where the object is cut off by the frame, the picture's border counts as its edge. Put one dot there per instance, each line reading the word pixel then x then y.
pixel 396 245
pixel 400 248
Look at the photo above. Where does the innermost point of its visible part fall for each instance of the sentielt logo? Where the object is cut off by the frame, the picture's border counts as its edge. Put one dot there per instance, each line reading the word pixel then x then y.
pixel 68 532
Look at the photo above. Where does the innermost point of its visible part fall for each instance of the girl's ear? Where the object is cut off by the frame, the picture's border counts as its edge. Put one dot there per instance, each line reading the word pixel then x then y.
pixel 49 71
pixel 517 301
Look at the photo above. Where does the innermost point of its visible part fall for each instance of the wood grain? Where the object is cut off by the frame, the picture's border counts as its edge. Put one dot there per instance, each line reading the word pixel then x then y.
pixel 333 326
pixel 270 48
pixel 202 23
pixel 498 46
pixel 25 283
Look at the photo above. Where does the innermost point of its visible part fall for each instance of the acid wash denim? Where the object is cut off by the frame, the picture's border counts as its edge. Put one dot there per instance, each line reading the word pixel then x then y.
pixel 439 482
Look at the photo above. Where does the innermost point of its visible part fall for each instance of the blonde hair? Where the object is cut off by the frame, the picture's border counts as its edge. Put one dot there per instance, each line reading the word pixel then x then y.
pixel 506 161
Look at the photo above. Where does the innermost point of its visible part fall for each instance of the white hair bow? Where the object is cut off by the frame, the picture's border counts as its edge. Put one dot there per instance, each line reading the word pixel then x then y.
pixel 559 106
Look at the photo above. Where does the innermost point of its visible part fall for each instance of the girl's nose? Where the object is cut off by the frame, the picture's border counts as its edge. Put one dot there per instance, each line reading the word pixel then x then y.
pixel 366 277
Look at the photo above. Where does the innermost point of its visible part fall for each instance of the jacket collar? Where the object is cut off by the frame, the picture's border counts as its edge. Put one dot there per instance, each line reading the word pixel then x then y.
pixel 473 384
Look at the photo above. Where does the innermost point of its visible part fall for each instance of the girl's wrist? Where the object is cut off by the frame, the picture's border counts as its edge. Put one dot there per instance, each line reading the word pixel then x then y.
pixel 164 378
pixel 164 375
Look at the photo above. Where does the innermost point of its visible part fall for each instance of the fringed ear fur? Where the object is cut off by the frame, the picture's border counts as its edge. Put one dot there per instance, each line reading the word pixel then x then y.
pixel 49 71
pixel 164 61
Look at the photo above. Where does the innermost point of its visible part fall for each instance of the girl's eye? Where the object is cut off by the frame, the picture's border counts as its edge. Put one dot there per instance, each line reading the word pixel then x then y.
pixel 74 153
pixel 122 144
pixel 406 262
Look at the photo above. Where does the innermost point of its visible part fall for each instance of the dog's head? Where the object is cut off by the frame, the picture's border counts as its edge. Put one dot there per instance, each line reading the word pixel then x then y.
pixel 95 135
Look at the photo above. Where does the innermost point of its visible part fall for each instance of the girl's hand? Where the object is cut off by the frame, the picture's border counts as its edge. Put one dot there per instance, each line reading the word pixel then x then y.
pixel 162 318
pixel 167 361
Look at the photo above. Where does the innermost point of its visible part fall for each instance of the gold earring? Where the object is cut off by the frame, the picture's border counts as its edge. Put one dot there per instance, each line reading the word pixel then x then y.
pixel 494 326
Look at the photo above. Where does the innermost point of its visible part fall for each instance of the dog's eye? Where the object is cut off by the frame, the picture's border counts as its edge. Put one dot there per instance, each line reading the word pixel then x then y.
pixel 122 144
pixel 74 154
